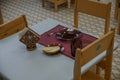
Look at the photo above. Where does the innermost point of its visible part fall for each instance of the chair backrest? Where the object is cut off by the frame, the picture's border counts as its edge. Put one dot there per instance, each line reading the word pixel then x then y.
pixel 12 26
pixel 93 8
pixel 1 18
pixel 83 56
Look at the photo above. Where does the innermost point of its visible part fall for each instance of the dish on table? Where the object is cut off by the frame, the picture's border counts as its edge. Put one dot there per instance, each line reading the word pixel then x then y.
pixel 67 34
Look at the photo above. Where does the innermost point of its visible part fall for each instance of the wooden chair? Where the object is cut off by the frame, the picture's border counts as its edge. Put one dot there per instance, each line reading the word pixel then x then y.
pixel 1 18
pixel 12 26
pixel 86 55
pixel 93 8
pixel 56 3
pixel 117 14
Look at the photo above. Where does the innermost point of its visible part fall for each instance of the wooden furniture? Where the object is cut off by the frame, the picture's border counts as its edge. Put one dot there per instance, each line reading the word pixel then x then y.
pixel 116 9
pixel 16 63
pixel 93 8
pixel 117 14
pixel 12 26
pixel 55 2
pixel 69 3
pixel 1 78
pixel 1 18
pixel 83 56
pixel 119 21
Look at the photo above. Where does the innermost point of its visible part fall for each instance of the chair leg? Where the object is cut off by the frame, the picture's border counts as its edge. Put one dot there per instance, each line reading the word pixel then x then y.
pixel 76 19
pixel 1 18
pixel 55 7
pixel 69 3
pixel 43 3
pixel 75 16
pixel 116 10
pixel 118 22
pixel 97 70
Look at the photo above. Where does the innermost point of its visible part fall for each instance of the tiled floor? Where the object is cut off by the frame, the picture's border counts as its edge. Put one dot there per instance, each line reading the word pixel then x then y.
pixel 35 13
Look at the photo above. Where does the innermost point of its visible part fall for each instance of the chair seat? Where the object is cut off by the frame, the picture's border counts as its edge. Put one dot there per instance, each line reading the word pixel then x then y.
pixel 89 75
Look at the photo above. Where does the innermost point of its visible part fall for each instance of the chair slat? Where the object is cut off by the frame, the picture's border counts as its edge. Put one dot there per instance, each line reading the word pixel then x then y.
pixel 93 8
pixel 12 26
pixel 96 48
pixel 101 10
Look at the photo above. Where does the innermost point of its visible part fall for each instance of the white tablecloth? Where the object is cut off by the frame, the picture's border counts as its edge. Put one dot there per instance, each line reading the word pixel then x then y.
pixel 16 63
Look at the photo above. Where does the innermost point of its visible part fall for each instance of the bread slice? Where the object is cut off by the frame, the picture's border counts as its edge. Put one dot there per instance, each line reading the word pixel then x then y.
pixel 51 49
